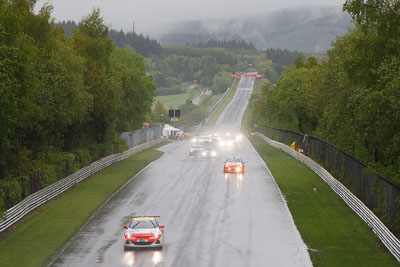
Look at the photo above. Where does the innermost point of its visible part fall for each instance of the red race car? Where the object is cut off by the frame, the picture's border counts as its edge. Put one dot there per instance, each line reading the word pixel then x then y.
pixel 144 231
pixel 234 164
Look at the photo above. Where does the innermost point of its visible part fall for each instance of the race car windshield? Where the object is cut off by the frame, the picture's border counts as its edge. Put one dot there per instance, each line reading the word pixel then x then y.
pixel 233 159
pixel 142 224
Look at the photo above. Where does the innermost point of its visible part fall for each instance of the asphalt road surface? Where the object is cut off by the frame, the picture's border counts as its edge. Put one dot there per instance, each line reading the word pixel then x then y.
pixel 210 218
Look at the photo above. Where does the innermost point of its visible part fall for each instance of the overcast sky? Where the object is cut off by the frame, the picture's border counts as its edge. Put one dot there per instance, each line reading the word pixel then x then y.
pixel 151 16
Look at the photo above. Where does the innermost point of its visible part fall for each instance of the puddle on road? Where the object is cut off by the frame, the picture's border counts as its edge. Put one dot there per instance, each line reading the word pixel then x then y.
pixel 147 256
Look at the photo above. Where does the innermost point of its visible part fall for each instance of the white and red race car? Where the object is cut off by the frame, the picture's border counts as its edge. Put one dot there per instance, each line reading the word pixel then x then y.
pixel 144 231
pixel 234 164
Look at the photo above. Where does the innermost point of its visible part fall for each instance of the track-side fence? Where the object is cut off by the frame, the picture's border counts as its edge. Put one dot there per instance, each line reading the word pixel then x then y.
pixel 214 108
pixel 40 197
pixel 378 192
pixel 384 234
pixel 141 136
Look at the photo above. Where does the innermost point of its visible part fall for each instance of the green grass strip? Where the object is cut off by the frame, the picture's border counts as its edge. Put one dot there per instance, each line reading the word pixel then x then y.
pixel 211 122
pixel 175 101
pixel 35 239
pixel 334 234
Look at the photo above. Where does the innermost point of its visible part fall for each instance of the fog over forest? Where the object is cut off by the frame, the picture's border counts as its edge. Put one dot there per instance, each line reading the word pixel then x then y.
pixel 305 29
pixel 153 17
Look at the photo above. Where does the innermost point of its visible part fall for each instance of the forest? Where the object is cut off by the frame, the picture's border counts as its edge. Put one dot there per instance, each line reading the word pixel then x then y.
pixel 64 100
pixel 141 44
pixel 351 98
pixel 227 44
pixel 69 89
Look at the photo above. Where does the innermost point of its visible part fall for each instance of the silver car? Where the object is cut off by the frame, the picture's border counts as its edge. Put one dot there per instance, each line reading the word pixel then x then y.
pixel 196 150
pixel 208 152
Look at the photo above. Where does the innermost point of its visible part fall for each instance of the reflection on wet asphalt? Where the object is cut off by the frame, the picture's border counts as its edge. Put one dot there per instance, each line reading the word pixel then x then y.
pixel 210 218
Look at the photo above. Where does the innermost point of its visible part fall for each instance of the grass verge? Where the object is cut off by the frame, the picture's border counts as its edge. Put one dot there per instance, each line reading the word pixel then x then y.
pixel 334 234
pixel 211 122
pixel 35 239
pixel 173 100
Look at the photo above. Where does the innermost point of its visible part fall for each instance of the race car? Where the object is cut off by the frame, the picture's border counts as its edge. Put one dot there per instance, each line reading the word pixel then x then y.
pixel 196 150
pixel 208 152
pixel 205 139
pixel 234 164
pixel 144 232
pixel 227 142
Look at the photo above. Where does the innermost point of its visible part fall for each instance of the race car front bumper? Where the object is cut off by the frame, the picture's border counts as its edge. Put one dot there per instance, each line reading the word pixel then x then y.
pixel 234 169
pixel 133 244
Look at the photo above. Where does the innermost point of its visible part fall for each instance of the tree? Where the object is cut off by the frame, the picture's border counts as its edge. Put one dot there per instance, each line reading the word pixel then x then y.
pixel 382 15
pixel 160 113
pixel 221 82
pixel 136 90
pixel 92 43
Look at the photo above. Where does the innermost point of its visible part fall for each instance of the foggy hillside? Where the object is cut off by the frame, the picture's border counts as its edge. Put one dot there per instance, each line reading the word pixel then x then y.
pixel 307 30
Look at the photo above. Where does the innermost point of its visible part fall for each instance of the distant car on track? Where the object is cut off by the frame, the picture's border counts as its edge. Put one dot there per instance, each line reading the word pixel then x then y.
pixel 227 143
pixel 234 164
pixel 144 232
pixel 196 150
pixel 208 152
pixel 205 139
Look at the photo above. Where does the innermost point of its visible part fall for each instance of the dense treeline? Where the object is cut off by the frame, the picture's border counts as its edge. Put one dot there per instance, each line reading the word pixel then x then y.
pixel 227 44
pixel 274 62
pixel 283 56
pixel 179 64
pixel 353 97
pixel 63 101
pixel 143 45
pixel 68 26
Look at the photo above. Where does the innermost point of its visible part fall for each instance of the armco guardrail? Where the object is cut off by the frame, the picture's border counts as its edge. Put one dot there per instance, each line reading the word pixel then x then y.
pixel 220 101
pixel 141 136
pixel 33 201
pixel 215 107
pixel 386 236
pixel 379 193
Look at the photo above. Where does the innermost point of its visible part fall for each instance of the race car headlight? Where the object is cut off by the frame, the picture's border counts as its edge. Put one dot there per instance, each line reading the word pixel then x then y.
pixel 239 138
pixel 155 236
pixel 130 236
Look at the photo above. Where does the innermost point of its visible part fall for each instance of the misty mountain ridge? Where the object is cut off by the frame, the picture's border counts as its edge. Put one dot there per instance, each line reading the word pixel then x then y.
pixel 309 30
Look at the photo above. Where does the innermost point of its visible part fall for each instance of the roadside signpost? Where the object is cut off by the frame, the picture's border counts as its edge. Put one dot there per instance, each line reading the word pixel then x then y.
pixel 174 114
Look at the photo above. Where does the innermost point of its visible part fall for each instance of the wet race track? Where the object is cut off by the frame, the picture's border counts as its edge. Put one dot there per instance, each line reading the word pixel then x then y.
pixel 210 218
